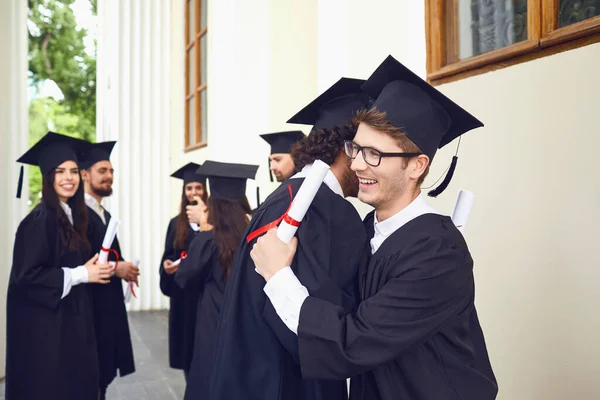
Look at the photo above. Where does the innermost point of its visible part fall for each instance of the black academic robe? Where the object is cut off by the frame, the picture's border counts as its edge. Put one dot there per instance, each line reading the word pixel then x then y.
pixel 50 342
pixel 110 315
pixel 202 269
pixel 415 335
pixel 183 303
pixel 256 355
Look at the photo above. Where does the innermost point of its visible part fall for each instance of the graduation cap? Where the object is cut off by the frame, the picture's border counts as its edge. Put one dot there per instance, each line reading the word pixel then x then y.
pixel 281 142
pixel 50 151
pixel 227 180
pixel 98 152
pixel 429 118
pixel 188 174
pixel 334 107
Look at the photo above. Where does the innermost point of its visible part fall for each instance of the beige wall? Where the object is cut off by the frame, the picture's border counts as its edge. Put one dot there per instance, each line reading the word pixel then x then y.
pixel 13 136
pixel 532 230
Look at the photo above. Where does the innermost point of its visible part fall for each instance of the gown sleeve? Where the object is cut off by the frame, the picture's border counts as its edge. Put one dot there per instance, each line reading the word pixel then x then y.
pixel 33 273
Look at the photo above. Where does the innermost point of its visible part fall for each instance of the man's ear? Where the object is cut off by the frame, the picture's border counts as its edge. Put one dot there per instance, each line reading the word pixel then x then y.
pixel 85 175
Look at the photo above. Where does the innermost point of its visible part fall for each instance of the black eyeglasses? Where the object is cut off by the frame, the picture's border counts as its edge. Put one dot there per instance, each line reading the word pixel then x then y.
pixel 370 155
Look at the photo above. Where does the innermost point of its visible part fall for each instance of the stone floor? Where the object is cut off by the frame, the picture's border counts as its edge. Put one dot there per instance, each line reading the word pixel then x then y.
pixel 153 379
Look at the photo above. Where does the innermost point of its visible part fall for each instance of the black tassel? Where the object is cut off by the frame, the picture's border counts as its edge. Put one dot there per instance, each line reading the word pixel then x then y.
pixel 269 166
pixel 20 183
pixel 257 197
pixel 437 191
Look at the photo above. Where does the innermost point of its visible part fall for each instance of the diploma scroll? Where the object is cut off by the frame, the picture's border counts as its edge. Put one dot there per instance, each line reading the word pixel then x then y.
pixel 462 209
pixel 109 238
pixel 183 257
pixel 129 287
pixel 306 194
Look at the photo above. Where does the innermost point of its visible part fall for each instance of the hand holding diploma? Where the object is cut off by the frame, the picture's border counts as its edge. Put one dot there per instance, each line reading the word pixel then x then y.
pixel 129 290
pixel 98 272
pixel 271 255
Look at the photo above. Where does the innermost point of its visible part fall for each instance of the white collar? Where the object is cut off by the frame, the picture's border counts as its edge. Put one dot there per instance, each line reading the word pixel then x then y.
pixel 67 211
pixel 91 201
pixel 330 179
pixel 417 207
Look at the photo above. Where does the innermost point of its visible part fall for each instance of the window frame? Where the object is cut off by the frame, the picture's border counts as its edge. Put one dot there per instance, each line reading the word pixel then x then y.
pixel 193 49
pixel 544 38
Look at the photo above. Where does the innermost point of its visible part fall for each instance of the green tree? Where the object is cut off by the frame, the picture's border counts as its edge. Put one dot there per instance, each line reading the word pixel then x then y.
pixel 57 52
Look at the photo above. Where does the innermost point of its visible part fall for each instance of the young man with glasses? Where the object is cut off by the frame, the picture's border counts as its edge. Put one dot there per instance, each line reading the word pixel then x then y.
pixel 416 334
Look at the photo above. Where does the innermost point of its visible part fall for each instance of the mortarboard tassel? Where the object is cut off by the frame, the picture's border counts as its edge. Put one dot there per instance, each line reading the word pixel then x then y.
pixel 20 183
pixel 438 190
pixel 269 166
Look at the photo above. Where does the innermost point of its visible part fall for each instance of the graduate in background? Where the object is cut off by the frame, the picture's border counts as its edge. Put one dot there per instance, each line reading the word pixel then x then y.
pixel 281 163
pixel 50 340
pixel 180 233
pixel 209 261
pixel 256 354
pixel 110 316
pixel 416 334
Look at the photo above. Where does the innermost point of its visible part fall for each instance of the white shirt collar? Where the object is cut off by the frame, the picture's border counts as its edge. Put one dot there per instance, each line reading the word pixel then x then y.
pixel 384 229
pixel 94 205
pixel 67 211
pixel 330 179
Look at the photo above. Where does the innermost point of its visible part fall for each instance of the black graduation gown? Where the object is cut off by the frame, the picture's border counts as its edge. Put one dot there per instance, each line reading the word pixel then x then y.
pixel 115 351
pixel 183 303
pixel 256 355
pixel 415 335
pixel 50 342
pixel 203 269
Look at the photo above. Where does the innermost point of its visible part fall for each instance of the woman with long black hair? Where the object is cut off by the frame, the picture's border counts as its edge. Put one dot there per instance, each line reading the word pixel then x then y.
pixel 180 233
pixel 51 345
pixel 209 261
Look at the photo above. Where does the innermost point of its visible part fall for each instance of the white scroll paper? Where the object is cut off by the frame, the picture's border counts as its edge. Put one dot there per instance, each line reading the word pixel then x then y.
pixel 306 194
pixel 176 262
pixel 109 238
pixel 129 286
pixel 462 209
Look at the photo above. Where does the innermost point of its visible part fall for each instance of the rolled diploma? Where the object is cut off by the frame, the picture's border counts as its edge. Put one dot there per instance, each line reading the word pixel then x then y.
pixel 306 194
pixel 109 238
pixel 127 296
pixel 462 208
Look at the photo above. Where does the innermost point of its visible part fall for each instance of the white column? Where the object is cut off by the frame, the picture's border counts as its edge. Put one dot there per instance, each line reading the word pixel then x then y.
pixel 13 136
pixel 333 42
pixel 133 108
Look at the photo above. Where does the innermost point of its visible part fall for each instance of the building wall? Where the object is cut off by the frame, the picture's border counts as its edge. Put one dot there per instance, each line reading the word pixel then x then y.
pixel 13 136
pixel 531 166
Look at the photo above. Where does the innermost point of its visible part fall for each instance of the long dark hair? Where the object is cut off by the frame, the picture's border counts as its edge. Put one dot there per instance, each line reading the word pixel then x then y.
pixel 229 219
pixel 182 228
pixel 71 236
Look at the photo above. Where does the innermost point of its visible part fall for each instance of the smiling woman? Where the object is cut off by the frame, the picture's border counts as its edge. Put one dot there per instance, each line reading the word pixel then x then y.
pixel 50 331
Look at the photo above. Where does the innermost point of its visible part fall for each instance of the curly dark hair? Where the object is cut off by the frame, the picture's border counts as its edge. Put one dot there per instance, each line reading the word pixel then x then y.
pixel 322 144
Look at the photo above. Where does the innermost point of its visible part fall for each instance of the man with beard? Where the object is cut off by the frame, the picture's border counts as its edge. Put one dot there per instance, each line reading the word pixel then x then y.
pixel 281 163
pixel 256 356
pixel 110 316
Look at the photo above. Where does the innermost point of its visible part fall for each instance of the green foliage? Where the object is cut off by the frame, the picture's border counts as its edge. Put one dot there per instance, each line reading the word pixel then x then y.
pixel 57 52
